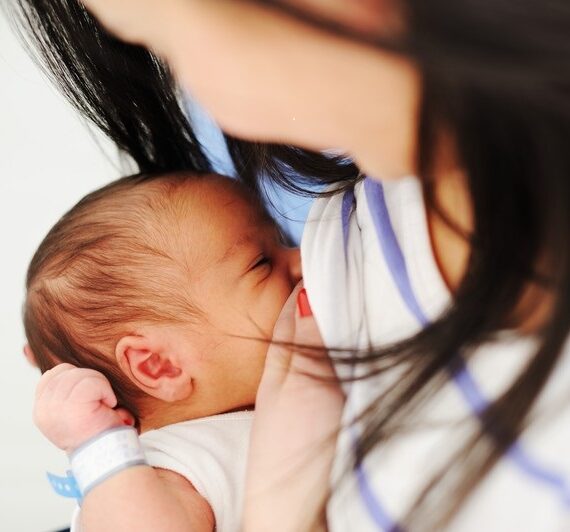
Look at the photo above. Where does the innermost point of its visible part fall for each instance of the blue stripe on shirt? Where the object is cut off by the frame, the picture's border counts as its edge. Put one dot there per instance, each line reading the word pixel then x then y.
pixel 461 377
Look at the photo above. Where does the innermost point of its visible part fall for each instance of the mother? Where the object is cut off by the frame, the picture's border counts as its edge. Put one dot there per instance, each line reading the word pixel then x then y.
pixel 471 96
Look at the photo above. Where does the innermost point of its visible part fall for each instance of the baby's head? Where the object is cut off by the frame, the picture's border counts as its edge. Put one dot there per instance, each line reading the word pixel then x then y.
pixel 162 284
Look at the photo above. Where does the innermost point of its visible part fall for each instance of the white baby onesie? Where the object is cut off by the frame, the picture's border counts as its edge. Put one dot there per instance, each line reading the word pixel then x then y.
pixel 211 453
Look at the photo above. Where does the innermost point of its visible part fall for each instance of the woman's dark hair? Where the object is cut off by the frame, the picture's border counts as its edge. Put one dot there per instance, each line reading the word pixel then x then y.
pixel 129 94
pixel 496 79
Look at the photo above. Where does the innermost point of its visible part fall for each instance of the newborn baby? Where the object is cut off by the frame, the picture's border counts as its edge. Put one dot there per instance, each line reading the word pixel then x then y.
pixel 169 287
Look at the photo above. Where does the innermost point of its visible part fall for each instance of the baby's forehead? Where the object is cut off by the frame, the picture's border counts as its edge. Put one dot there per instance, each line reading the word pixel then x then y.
pixel 228 200
pixel 210 217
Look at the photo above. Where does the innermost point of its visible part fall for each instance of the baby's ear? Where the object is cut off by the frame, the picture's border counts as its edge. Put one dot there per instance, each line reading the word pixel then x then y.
pixel 149 362
pixel 30 357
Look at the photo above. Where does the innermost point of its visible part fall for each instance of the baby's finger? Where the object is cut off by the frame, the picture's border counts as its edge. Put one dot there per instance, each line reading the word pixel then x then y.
pixel 105 391
pixel 50 378
pixel 92 388
pixel 126 416
pixel 64 382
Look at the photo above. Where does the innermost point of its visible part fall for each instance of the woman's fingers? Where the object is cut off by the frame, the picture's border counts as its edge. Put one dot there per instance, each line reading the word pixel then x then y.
pixel 280 353
pixel 303 351
pixel 309 356
pixel 298 411
pixel 297 344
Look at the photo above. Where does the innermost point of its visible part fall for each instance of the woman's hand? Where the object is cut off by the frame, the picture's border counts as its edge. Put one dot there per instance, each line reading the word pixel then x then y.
pixel 298 410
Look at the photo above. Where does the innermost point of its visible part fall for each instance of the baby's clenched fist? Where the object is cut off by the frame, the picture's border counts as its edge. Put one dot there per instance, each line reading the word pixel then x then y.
pixel 74 404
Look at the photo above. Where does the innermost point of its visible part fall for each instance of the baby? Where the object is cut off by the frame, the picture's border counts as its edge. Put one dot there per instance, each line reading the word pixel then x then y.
pixel 165 286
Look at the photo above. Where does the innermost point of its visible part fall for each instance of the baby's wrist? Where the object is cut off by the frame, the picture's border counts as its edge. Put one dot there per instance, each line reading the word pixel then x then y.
pixel 79 440
pixel 105 455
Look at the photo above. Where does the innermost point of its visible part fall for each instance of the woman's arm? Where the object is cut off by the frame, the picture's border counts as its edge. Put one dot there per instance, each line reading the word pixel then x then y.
pixel 298 411
pixel 72 406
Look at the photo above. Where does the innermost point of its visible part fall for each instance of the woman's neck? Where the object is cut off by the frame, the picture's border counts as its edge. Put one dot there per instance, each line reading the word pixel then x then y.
pixel 451 224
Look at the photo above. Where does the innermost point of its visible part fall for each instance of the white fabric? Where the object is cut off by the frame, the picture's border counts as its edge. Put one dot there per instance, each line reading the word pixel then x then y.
pixel 357 304
pixel 211 453
pixel 105 455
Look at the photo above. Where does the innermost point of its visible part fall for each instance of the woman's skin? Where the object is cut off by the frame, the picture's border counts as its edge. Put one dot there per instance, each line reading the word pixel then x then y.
pixel 362 16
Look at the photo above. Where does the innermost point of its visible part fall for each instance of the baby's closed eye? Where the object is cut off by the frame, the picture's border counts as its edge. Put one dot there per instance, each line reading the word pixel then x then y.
pixel 261 262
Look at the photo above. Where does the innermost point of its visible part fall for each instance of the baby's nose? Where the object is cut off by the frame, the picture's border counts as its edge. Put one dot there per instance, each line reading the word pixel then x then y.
pixel 294 261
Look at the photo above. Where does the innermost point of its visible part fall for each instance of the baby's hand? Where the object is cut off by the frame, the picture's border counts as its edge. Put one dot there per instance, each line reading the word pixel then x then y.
pixel 74 404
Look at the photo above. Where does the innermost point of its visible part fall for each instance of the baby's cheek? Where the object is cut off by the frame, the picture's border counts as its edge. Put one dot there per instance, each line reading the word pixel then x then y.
pixel 270 307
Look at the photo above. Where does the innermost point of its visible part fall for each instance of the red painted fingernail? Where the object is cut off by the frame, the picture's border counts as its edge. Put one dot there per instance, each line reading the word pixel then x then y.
pixel 303 304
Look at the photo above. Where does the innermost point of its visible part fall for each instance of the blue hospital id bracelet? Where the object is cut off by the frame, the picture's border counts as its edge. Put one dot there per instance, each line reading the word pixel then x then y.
pixel 65 486
pixel 105 455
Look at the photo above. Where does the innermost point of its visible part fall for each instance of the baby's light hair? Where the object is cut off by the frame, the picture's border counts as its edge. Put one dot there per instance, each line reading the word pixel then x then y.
pixel 112 263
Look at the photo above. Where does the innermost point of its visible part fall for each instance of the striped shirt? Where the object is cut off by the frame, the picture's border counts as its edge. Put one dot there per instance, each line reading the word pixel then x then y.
pixel 372 279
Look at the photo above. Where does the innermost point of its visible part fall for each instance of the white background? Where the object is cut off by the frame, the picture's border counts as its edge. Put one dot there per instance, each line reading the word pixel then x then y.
pixel 48 160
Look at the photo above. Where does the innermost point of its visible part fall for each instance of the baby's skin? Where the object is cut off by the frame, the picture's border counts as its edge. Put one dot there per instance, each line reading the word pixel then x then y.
pixel 196 369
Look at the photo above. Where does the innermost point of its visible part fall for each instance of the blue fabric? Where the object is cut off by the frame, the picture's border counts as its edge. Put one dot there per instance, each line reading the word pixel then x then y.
pixel 346 211
pixel 65 486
